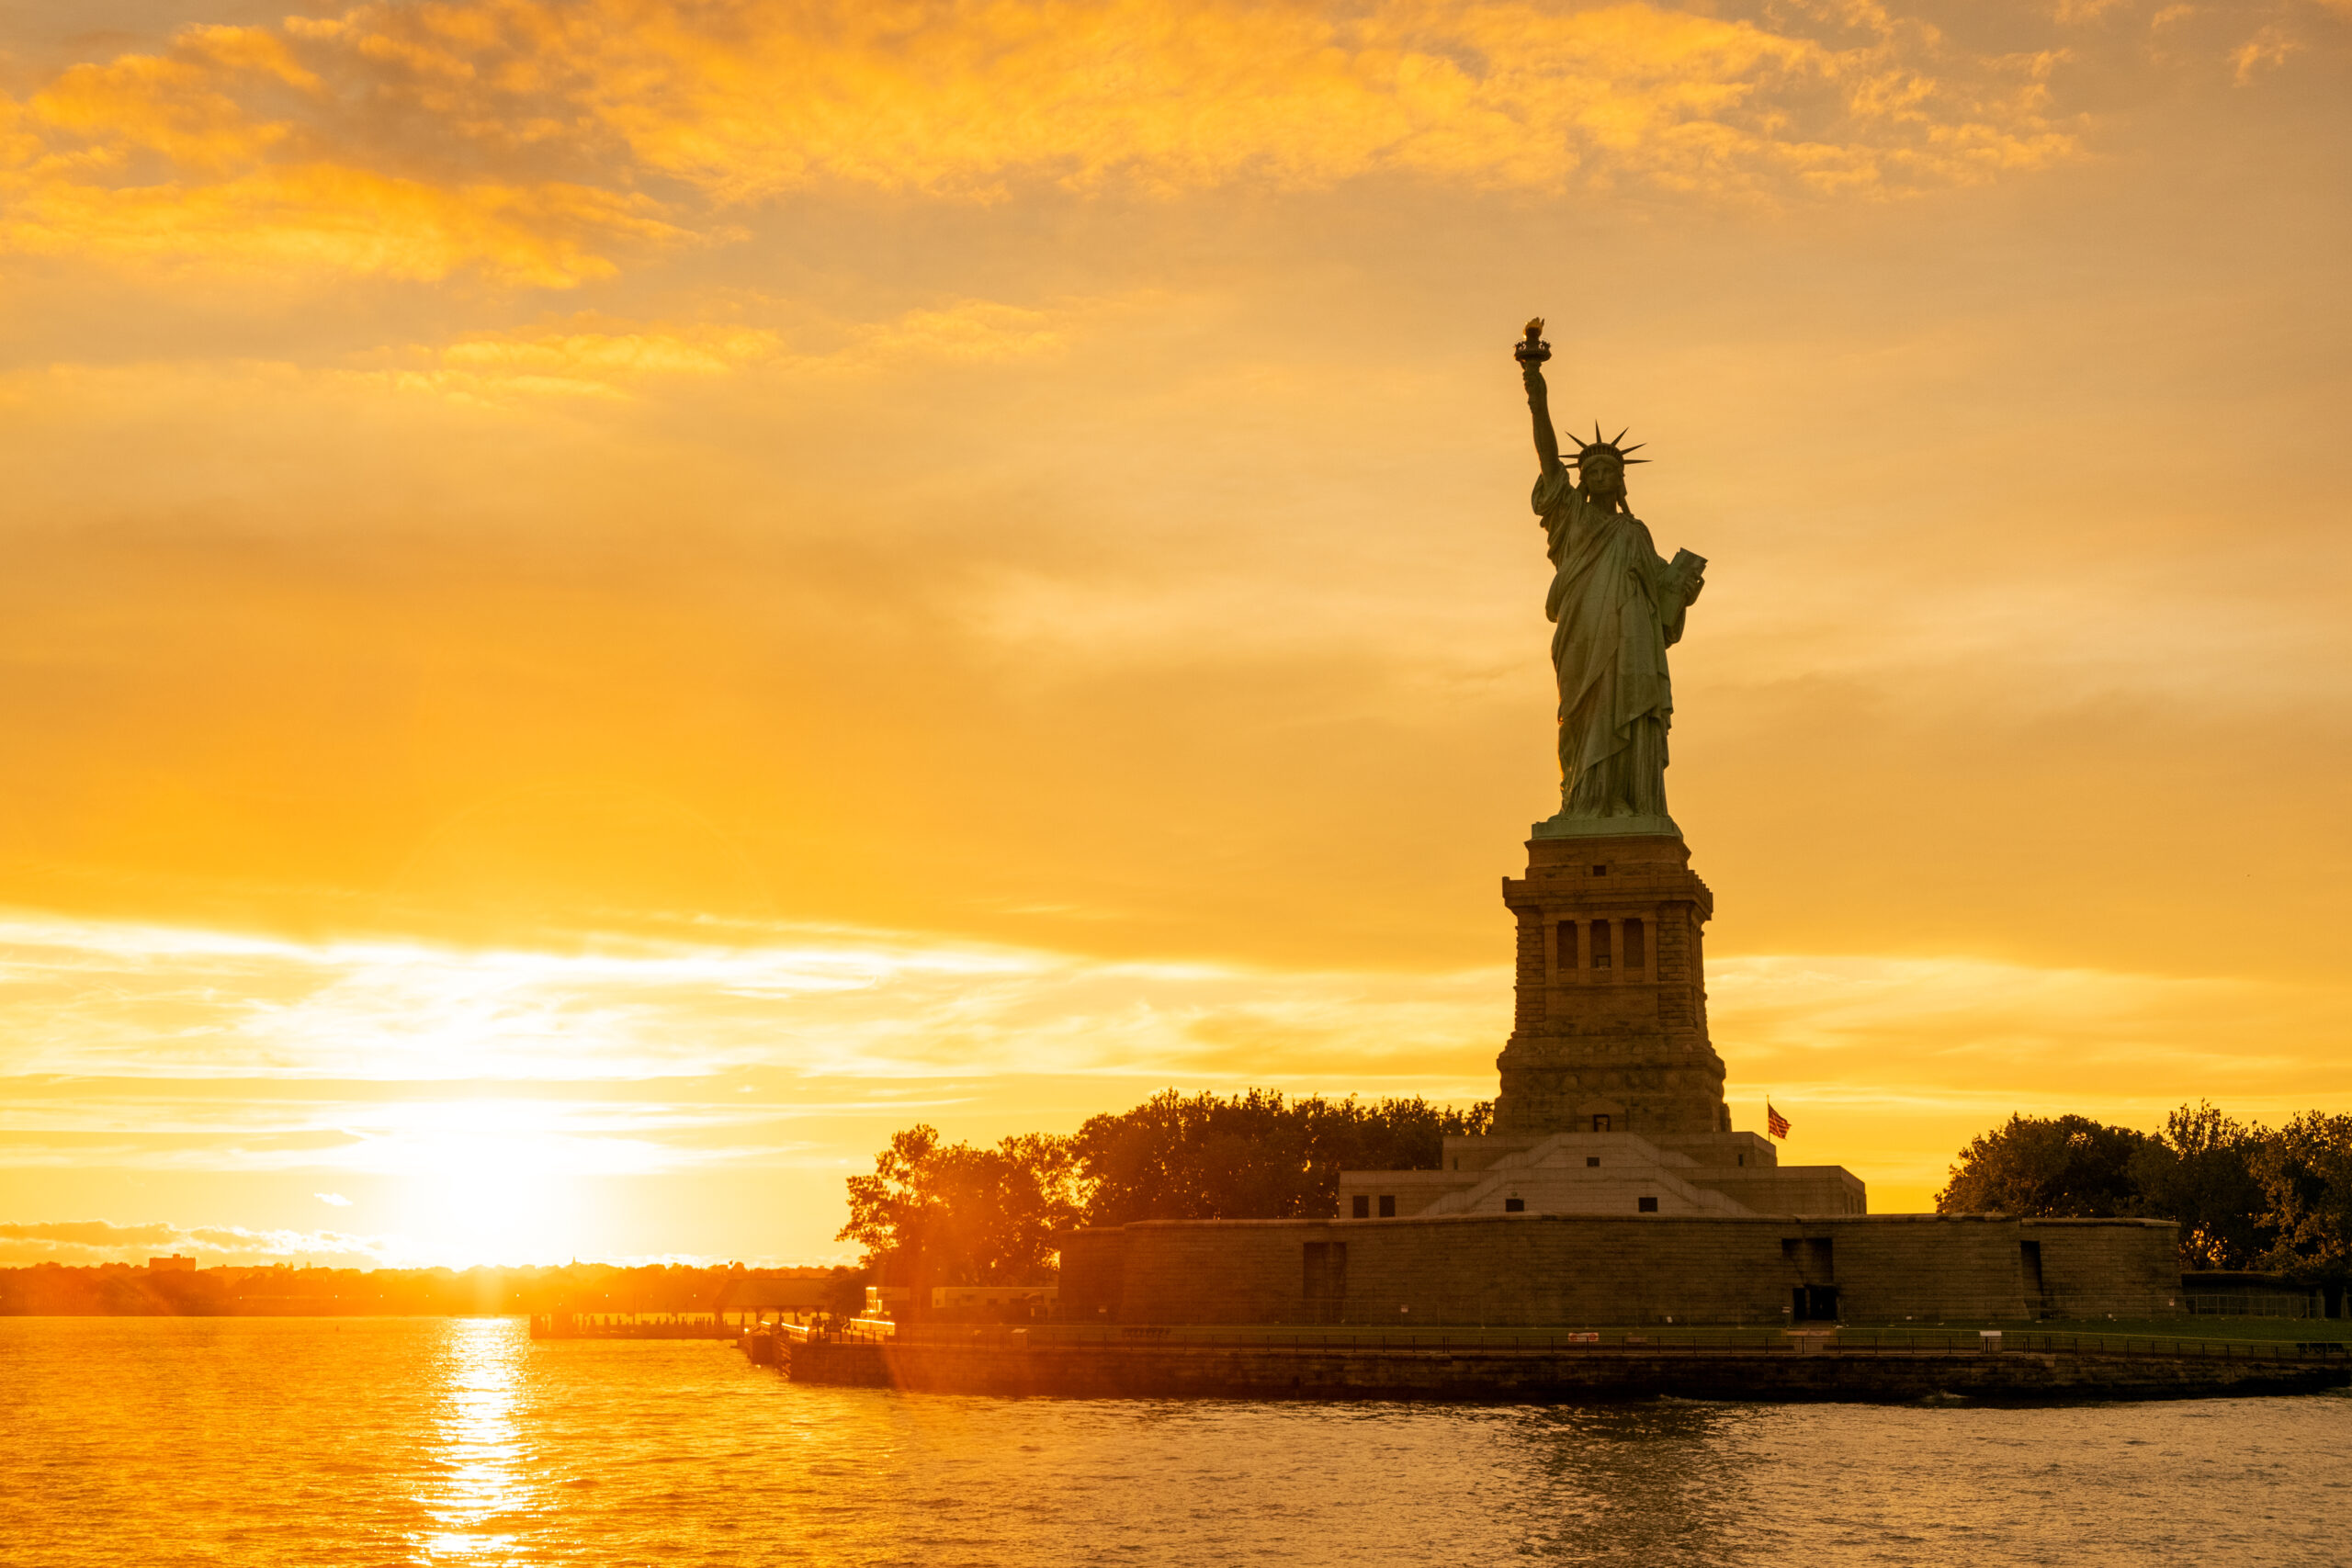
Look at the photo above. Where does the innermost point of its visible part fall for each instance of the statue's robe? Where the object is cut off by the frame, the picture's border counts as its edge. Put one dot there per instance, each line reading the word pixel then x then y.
pixel 1616 607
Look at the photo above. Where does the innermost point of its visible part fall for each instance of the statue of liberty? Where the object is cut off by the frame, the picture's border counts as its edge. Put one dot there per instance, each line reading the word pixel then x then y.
pixel 1616 607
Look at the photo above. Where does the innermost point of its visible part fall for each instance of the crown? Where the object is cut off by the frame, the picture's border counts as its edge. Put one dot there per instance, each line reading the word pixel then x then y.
pixel 1597 447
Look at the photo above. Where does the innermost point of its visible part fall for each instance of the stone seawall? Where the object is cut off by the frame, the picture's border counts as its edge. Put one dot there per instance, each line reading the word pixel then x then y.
pixel 1508 1373
pixel 1537 1269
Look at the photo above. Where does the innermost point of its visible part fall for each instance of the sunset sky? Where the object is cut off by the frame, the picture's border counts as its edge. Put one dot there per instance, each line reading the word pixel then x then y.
pixel 604 602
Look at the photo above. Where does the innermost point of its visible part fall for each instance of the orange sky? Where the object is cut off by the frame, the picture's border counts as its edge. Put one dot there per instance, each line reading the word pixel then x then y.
pixel 607 602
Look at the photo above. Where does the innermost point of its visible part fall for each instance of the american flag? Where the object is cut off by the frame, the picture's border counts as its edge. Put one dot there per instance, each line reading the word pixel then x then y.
pixel 1774 1123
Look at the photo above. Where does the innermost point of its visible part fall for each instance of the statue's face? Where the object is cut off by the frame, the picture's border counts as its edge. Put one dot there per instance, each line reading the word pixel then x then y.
pixel 1604 478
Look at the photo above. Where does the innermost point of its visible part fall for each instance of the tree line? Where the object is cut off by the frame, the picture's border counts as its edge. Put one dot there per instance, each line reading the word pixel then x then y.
pixel 934 1213
pixel 2246 1196
pixel 264 1290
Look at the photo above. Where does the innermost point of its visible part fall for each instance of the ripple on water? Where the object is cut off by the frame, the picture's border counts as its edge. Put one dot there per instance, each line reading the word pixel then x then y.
pixel 262 1443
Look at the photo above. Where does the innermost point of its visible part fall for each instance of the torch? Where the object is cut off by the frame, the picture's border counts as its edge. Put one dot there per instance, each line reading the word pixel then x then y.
pixel 1532 350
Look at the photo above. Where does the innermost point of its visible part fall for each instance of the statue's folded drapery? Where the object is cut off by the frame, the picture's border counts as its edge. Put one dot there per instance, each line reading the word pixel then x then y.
pixel 1616 607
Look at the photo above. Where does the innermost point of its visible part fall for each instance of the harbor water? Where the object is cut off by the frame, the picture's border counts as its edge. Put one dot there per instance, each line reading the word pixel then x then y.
pixel 261 1442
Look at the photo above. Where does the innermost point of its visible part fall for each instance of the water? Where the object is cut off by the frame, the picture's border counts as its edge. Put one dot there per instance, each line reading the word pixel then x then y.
pixel 311 1442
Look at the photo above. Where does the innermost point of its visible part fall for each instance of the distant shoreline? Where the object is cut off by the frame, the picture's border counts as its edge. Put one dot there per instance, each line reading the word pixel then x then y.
pixel 117 1289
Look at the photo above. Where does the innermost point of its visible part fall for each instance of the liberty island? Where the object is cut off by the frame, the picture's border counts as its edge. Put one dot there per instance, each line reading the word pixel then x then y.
pixel 1610 1188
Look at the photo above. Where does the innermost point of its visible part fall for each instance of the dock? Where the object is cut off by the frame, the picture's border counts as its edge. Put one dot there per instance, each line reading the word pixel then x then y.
pixel 633 1325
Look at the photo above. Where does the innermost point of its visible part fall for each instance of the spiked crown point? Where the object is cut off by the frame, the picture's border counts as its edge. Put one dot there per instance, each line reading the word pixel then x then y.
pixel 1605 446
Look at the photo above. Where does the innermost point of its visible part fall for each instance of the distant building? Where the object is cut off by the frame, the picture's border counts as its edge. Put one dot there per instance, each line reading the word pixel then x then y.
pixel 175 1264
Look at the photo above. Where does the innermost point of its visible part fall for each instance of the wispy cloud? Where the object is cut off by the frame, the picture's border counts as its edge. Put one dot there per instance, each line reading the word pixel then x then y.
pixel 140 1001
pixel 154 1049
pixel 520 139
pixel 602 360
pixel 102 1241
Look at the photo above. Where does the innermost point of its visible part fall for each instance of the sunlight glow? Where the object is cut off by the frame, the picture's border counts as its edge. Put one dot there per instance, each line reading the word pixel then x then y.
pixel 469 1193
pixel 484 1483
pixel 455 1107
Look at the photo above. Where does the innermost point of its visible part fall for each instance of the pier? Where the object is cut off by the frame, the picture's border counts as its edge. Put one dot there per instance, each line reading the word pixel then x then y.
pixel 633 1325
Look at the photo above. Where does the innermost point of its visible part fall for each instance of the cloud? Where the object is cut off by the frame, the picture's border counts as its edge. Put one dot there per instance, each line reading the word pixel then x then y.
pixel 2266 50
pixel 136 1003
pixel 1292 96
pixel 223 154
pixel 172 106
pixel 326 218
pixel 91 1233
pixel 785 1055
pixel 525 141
pixel 559 363
pixel 1954 1020
pixel 84 1242
pixel 596 358
pixel 175 1050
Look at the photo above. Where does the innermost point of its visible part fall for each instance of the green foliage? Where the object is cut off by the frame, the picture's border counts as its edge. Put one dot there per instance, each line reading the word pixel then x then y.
pixel 2063 1167
pixel 2199 1172
pixel 1253 1156
pixel 935 1213
pixel 2244 1195
pixel 2305 1172
pixel 847 1296
pixel 939 1214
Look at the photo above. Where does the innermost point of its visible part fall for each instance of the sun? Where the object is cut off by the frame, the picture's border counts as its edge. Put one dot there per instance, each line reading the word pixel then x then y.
pixel 473 1193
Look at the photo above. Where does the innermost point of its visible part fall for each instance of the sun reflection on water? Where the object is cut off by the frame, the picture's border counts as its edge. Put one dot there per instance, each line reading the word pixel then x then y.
pixel 480 1495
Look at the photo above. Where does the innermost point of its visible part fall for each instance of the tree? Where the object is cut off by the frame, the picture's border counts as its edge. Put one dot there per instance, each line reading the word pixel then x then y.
pixel 935 1213
pixel 2061 1167
pixel 1252 1155
pixel 2199 1172
pixel 2305 1172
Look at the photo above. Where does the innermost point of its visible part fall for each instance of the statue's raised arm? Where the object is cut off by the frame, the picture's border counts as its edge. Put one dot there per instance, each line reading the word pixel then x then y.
pixel 1532 351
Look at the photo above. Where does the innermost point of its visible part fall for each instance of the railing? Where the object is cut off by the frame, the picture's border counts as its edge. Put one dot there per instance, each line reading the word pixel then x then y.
pixel 2232 1304
pixel 607 1324
pixel 1616 1344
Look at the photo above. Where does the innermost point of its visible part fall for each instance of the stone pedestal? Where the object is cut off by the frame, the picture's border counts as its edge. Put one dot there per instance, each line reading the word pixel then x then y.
pixel 1610 1030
